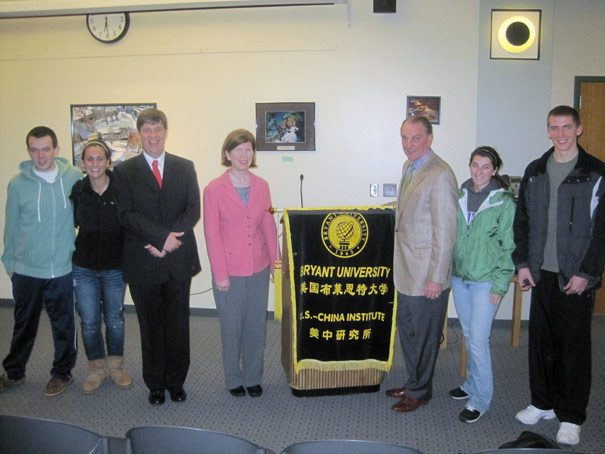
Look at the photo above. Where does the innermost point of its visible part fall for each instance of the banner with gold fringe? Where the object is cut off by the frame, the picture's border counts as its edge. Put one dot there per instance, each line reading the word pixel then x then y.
pixel 343 300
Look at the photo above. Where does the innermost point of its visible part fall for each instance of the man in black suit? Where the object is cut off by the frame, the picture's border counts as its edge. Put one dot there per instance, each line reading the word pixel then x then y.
pixel 159 203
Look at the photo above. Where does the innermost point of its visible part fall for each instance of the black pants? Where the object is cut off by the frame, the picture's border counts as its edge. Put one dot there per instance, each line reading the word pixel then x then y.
pixel 30 294
pixel 560 359
pixel 163 314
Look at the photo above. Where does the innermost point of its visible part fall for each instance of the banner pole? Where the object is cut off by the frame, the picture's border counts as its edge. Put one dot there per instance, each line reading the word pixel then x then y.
pixel 277 270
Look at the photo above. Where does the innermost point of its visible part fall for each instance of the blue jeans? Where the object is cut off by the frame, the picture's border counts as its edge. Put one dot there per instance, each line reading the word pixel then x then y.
pixel 100 292
pixel 476 314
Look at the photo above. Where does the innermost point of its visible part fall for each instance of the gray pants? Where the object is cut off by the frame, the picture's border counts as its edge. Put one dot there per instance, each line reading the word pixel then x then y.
pixel 420 325
pixel 242 312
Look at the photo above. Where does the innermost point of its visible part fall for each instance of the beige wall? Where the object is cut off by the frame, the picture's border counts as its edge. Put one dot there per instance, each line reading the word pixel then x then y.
pixel 358 76
pixel 207 69
pixel 578 45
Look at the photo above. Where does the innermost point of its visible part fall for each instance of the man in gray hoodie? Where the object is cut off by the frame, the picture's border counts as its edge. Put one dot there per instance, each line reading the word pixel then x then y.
pixel 38 243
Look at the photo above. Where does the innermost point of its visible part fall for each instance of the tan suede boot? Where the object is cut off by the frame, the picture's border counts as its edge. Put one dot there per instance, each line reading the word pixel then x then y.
pixel 98 373
pixel 117 372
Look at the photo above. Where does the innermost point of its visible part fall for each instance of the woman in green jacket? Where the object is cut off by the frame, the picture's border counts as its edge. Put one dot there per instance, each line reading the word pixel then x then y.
pixel 482 270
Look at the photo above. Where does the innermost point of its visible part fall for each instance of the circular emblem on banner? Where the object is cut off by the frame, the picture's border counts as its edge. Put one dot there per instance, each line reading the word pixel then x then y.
pixel 344 234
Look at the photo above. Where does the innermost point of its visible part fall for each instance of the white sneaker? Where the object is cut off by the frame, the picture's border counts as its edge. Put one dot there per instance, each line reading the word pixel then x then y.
pixel 569 434
pixel 532 415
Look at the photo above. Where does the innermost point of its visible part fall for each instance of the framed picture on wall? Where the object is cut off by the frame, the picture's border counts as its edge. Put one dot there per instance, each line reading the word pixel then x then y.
pixel 116 124
pixel 285 126
pixel 424 106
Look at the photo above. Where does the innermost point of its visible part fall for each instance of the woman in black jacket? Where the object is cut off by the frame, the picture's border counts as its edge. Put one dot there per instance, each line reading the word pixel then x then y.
pixel 97 268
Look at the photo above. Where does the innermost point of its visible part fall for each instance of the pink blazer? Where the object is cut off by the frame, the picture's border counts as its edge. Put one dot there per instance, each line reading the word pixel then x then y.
pixel 241 240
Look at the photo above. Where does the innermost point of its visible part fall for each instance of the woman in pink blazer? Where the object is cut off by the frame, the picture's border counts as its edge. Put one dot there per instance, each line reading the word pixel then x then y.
pixel 241 240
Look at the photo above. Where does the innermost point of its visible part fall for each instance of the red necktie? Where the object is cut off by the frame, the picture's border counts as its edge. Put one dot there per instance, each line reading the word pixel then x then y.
pixel 156 172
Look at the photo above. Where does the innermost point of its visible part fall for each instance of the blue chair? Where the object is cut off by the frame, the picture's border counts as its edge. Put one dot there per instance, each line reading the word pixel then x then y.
pixel 20 435
pixel 528 451
pixel 347 447
pixel 187 440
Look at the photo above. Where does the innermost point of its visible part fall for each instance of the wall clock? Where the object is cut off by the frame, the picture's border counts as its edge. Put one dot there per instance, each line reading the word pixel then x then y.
pixel 108 28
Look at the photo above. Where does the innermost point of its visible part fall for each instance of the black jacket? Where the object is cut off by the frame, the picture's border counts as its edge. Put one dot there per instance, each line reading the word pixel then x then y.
pixel 149 213
pixel 580 219
pixel 100 237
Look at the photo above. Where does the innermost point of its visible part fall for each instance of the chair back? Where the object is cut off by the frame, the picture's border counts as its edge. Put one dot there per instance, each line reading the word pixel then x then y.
pixel 529 451
pixel 347 447
pixel 187 440
pixel 20 435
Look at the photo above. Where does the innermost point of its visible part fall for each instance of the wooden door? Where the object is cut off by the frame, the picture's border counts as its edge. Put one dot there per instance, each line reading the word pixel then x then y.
pixel 590 101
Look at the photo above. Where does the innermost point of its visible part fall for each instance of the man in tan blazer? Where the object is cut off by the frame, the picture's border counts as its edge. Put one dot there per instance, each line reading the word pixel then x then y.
pixel 425 231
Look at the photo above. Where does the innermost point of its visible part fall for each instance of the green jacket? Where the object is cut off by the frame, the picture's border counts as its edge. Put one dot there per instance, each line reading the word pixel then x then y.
pixel 483 248
pixel 39 223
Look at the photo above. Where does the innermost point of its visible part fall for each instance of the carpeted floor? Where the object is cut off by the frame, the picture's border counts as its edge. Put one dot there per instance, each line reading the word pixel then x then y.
pixel 278 419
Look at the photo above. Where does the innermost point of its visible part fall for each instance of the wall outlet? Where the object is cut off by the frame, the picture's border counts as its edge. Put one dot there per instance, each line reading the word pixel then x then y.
pixel 389 190
pixel 374 189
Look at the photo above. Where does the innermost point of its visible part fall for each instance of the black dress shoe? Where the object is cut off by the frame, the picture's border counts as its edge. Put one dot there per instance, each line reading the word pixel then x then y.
pixel 238 392
pixel 156 397
pixel 178 395
pixel 255 391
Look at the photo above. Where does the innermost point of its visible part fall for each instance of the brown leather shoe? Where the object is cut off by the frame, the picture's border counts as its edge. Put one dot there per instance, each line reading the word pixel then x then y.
pixel 396 392
pixel 407 404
